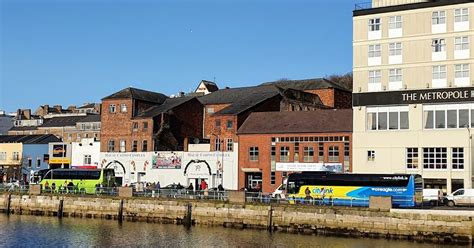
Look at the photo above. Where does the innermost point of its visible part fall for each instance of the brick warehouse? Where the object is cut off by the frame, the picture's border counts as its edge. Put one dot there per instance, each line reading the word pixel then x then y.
pixel 137 120
pixel 226 110
pixel 273 144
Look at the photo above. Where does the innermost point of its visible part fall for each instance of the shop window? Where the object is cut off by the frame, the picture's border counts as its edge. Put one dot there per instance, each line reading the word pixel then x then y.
pixel 435 158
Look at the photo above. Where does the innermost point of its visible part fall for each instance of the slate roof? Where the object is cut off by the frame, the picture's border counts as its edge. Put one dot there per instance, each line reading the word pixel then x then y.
pixel 90 105
pixel 235 94
pixel 247 102
pixel 318 121
pixel 23 128
pixel 308 84
pixel 169 104
pixel 29 139
pixel 138 94
pixel 65 121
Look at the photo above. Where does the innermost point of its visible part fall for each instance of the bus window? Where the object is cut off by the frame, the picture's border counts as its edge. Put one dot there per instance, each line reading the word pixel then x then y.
pixel 48 175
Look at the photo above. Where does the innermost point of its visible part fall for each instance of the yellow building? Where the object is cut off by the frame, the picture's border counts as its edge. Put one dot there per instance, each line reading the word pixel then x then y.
pixel 10 160
pixel 413 90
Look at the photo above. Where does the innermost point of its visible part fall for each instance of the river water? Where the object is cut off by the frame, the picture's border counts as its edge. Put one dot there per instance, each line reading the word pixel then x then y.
pixel 35 231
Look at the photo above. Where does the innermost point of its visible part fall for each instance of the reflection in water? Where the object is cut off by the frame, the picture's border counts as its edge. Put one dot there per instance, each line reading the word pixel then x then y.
pixel 33 231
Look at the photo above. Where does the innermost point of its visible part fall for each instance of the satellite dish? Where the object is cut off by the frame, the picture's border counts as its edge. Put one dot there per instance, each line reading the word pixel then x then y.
pixel 196 140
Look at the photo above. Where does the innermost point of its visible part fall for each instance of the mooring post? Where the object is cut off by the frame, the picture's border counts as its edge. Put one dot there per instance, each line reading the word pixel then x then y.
pixel 270 219
pixel 120 212
pixel 60 209
pixel 9 203
pixel 188 217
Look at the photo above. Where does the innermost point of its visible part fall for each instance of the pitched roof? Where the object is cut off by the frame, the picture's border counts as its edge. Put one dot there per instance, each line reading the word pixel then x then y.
pixel 211 86
pixel 247 102
pixel 23 128
pixel 234 94
pixel 65 121
pixel 308 84
pixel 318 121
pixel 169 104
pixel 29 139
pixel 90 105
pixel 138 94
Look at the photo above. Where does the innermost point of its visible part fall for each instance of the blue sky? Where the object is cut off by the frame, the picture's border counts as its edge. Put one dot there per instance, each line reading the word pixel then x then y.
pixel 69 52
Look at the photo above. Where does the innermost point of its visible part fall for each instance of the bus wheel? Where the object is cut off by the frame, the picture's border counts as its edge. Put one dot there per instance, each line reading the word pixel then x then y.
pixel 451 204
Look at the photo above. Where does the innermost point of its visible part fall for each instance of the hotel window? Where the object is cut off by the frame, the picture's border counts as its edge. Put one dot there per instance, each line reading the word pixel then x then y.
pixel 135 126
pixel 458 158
pixel 395 22
pixel 123 108
pixel 387 118
pixel 111 146
pixel 374 51
pixel 374 24
pixel 122 145
pixel 438 45
pixel 461 15
pixel 134 146
pixel 395 49
pixel 370 155
pixel 253 153
pixel 308 154
pixel 145 146
pixel 461 43
pixel 435 158
pixel 412 158
pixel 229 124
pixel 87 159
pixel 447 116
pixel 284 154
pixel 395 75
pixel 439 72
pixel 3 156
pixel 230 145
pixel 461 71
pixel 375 81
pixel 38 162
pixel 333 154
pixel 112 108
pixel 438 17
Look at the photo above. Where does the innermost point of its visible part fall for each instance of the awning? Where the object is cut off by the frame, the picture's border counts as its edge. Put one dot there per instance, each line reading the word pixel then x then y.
pixel 251 169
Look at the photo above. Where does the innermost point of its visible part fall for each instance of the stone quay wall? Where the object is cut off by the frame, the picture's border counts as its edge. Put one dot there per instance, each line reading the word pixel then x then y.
pixel 423 225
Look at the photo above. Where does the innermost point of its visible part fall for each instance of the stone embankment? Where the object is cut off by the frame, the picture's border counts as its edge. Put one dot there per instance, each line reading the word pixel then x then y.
pixel 422 225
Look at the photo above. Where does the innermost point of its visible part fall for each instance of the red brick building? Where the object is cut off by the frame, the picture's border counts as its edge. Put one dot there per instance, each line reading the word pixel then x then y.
pixel 273 144
pixel 226 110
pixel 135 120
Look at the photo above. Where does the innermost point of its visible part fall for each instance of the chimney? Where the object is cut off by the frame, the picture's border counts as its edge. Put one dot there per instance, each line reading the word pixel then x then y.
pixel 45 110
pixel 27 113
pixel 58 108
pixel 181 94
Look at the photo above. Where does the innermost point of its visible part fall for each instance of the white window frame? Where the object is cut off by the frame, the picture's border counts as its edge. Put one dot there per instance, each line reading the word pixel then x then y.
pixel 439 72
pixel 461 71
pixel 87 159
pixel 111 146
pixel 461 43
pixel 375 24
pixel 333 154
pixel 458 160
pixel 438 17
pixel 374 51
pixel 395 49
pixel 412 158
pixel 229 145
pixel 376 111
pixel 444 108
pixel 253 153
pixel 284 153
pixel 395 22
pixel 435 158
pixel 395 75
pixel 123 145
pixel 371 155
pixel 3 156
pixel 123 108
pixel 461 15
pixel 112 108
pixel 438 45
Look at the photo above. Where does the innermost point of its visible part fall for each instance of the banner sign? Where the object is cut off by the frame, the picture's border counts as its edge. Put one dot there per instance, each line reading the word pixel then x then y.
pixel 59 151
pixel 59 161
pixel 333 167
pixel 166 160
pixel 452 95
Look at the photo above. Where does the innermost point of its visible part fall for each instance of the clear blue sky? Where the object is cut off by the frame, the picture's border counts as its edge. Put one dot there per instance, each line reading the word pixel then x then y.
pixel 69 51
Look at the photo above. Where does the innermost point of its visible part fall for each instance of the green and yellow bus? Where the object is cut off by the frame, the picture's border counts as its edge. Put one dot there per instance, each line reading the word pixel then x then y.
pixel 77 180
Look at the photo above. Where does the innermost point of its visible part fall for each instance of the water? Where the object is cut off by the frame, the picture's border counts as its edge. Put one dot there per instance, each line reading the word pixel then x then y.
pixel 34 231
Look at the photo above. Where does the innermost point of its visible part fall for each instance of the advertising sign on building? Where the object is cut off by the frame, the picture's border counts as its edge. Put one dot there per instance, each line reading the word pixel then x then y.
pixel 59 151
pixel 166 160
pixel 333 167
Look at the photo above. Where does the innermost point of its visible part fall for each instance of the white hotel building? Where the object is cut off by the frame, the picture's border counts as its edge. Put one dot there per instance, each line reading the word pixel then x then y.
pixel 413 93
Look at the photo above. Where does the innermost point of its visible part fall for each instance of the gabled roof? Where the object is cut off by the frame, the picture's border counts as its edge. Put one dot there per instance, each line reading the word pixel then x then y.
pixel 169 104
pixel 211 86
pixel 318 121
pixel 29 139
pixel 68 121
pixel 308 84
pixel 138 94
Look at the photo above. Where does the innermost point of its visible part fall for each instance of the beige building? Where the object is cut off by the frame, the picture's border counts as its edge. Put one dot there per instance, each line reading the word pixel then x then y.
pixel 413 90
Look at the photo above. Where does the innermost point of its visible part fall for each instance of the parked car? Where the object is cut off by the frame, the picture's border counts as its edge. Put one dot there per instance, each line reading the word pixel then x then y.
pixel 432 197
pixel 460 197
pixel 279 193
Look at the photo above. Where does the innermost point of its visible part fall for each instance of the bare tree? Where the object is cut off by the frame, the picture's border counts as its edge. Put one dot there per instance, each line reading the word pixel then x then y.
pixel 344 80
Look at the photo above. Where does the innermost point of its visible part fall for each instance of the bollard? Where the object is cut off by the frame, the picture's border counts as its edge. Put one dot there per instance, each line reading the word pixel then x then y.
pixel 120 213
pixel 60 210
pixel 188 218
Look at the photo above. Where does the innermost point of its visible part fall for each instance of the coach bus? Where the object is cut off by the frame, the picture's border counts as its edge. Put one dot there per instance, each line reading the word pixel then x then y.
pixel 341 189
pixel 81 180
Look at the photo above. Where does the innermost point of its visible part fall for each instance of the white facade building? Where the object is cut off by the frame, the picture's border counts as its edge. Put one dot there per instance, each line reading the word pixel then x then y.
pixel 85 153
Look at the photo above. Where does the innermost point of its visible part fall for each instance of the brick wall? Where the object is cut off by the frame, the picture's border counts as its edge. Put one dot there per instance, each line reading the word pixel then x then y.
pixel 116 126
pixel 187 121
pixel 264 143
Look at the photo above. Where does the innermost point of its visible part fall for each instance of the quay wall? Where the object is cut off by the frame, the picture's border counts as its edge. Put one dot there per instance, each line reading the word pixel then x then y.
pixel 424 225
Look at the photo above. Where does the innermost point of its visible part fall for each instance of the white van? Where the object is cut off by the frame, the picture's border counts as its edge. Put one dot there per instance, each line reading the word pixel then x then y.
pixel 460 197
pixel 280 191
pixel 432 196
